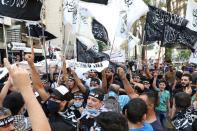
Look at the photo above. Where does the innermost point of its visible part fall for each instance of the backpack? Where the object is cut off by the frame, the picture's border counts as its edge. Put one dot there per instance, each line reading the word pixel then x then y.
pixel 111 103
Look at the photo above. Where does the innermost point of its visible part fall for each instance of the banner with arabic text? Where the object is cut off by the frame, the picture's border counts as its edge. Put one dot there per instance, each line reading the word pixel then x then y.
pixel 21 9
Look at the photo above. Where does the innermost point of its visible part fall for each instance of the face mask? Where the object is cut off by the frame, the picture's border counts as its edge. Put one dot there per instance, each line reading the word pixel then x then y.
pixel 92 111
pixel 77 104
pixel 53 106
pixel 111 93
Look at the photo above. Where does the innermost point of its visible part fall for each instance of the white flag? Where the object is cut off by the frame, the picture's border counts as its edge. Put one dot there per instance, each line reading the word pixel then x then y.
pixel 191 15
pixel 86 41
pixel 122 30
pixel 84 30
pixel 107 15
pixel 132 41
pixel 116 55
pixel 193 57
pixel 80 18
pixel 135 9
pixel 70 11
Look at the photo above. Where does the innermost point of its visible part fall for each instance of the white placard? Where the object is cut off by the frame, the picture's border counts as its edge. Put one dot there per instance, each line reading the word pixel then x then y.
pixel 81 67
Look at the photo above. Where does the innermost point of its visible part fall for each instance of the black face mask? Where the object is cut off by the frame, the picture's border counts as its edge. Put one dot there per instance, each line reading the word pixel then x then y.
pixel 53 106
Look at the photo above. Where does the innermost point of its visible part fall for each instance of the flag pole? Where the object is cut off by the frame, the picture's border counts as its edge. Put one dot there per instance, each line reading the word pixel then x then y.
pixel 112 46
pixel 157 65
pixel 5 39
pixel 44 47
pixel 144 48
pixel 30 40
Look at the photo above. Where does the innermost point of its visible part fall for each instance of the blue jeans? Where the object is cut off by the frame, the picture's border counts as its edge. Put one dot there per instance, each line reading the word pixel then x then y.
pixel 162 116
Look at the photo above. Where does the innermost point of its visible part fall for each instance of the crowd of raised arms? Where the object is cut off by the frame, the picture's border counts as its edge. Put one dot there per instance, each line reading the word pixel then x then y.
pixel 116 99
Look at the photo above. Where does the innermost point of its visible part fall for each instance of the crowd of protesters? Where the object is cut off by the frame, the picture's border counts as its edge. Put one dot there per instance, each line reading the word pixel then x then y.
pixel 117 99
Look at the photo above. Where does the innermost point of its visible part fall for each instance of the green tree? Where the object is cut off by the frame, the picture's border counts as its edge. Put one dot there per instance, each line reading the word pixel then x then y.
pixel 184 54
pixel 168 54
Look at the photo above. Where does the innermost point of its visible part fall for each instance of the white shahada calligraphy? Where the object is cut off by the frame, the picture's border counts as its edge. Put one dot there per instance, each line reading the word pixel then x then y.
pixel 15 3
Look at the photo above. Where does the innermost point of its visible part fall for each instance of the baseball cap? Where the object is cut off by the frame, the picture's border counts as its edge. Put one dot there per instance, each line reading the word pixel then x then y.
pixel 97 93
pixel 60 92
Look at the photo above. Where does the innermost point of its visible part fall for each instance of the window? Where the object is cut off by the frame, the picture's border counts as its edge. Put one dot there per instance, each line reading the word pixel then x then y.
pixel 13 34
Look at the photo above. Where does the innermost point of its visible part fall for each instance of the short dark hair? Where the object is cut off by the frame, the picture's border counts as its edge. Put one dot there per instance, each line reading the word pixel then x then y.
pixel 14 101
pixel 153 97
pixel 162 81
pixel 179 74
pixel 138 89
pixel 95 80
pixel 182 100
pixel 116 121
pixel 188 75
pixel 136 109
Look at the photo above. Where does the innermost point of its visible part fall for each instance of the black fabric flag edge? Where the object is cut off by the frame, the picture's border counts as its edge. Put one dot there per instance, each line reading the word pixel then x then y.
pixel 157 19
pixel 104 2
pixel 185 37
pixel 36 31
pixel 89 56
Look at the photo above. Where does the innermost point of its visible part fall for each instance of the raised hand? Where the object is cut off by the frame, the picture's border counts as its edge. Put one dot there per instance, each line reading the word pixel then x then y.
pixel 121 73
pixel 104 72
pixel 73 73
pixel 155 73
pixel 9 84
pixel 19 77
pixel 30 57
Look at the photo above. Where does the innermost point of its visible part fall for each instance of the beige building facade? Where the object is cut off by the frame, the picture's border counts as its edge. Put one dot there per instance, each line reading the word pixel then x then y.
pixel 53 19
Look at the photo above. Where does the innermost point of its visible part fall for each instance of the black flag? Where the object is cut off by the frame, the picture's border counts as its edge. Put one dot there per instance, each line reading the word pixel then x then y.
pixel 105 2
pixel 156 21
pixel 36 31
pixel 21 9
pixel 99 31
pixel 184 37
pixel 89 56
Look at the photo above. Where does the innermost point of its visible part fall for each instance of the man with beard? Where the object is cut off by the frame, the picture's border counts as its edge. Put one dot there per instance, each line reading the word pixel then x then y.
pixel 186 81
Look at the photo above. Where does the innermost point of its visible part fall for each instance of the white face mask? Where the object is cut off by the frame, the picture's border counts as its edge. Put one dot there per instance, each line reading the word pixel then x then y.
pixel 92 111
pixel 78 104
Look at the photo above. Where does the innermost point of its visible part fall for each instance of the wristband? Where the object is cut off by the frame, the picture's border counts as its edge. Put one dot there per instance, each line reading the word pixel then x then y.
pixel 6 121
